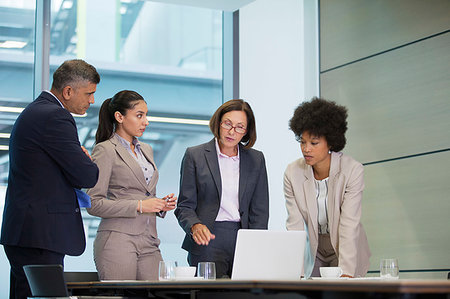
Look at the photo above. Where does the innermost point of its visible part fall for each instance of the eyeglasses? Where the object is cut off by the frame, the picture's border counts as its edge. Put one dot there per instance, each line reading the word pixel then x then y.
pixel 228 126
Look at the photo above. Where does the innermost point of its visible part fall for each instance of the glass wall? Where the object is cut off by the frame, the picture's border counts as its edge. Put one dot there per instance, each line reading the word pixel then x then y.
pixel 16 68
pixel 170 54
pixel 17 32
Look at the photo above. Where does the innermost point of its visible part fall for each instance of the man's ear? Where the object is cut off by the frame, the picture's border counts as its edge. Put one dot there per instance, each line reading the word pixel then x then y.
pixel 67 92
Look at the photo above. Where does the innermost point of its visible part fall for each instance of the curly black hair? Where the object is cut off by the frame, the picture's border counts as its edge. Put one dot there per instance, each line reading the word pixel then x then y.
pixel 320 117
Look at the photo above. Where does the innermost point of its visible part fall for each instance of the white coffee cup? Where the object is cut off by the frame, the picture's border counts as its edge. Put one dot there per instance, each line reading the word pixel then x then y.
pixel 185 272
pixel 330 272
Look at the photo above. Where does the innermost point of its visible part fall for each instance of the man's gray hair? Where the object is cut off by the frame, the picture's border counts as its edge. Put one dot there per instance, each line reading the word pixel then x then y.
pixel 72 72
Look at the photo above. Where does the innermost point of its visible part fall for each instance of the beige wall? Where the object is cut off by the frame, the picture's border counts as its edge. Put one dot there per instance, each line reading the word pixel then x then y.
pixel 389 63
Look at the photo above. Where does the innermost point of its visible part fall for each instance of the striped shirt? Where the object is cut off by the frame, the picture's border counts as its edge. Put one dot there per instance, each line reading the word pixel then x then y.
pixel 146 166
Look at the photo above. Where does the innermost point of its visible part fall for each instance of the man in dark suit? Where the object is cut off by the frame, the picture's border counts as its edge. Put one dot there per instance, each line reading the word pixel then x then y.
pixel 41 219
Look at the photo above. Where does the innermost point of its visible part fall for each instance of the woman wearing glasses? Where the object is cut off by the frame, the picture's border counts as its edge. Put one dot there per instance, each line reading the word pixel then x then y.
pixel 223 188
pixel 323 191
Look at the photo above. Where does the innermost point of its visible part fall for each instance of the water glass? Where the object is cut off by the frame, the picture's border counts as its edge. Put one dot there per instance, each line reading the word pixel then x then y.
pixel 166 270
pixel 389 269
pixel 207 270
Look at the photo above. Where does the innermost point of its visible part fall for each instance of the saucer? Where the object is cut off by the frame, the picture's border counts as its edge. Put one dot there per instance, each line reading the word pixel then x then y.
pixel 329 278
pixel 188 278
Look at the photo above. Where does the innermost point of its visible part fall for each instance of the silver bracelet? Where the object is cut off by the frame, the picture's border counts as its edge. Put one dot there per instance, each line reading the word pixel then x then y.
pixel 140 209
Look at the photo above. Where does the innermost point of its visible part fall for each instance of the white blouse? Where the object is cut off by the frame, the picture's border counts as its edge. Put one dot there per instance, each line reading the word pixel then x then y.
pixel 322 200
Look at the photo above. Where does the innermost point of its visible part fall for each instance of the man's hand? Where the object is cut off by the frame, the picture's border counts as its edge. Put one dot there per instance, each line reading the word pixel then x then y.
pixel 201 234
pixel 86 152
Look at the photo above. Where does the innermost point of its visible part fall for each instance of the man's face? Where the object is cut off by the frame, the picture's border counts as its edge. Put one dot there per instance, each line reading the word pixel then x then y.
pixel 81 97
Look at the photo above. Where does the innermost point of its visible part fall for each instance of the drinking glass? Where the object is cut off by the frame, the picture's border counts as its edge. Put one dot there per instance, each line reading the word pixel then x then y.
pixel 166 270
pixel 207 270
pixel 389 269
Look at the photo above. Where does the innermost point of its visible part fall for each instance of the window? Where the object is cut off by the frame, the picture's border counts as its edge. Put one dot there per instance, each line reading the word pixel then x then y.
pixel 170 54
pixel 17 30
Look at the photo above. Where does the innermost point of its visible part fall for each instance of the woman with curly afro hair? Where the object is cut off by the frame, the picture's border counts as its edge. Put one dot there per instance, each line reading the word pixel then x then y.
pixel 323 191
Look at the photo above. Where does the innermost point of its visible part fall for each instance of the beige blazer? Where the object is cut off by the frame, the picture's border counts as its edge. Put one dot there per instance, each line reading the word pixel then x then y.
pixel 120 186
pixel 345 188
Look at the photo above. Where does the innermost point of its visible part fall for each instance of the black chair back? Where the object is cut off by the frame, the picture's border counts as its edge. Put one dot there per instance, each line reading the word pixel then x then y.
pixel 46 280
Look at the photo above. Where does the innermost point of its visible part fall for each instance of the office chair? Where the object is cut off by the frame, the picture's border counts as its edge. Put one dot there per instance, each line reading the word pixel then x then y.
pixel 46 280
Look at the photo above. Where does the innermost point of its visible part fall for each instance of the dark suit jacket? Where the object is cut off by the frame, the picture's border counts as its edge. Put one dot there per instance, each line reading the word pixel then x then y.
pixel 201 189
pixel 46 163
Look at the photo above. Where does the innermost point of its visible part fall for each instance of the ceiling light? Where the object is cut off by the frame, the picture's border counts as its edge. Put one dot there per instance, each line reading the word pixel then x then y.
pixel 11 109
pixel 172 120
pixel 67 4
pixel 156 119
pixel 10 44
pixel 5 135
pixel 4 148
pixel 20 109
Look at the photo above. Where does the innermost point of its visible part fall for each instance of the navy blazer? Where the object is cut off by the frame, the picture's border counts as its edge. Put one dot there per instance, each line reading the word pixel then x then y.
pixel 46 163
pixel 201 189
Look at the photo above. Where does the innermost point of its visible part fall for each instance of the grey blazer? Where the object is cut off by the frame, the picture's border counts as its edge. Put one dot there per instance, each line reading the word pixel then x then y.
pixel 121 184
pixel 201 189
pixel 345 188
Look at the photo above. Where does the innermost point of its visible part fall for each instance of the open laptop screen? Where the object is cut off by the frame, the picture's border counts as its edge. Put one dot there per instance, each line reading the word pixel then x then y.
pixel 268 255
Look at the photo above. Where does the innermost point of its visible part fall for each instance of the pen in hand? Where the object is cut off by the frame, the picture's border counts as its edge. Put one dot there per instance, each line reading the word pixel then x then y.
pixel 170 202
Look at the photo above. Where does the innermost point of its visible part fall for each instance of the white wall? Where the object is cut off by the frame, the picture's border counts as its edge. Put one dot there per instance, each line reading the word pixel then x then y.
pixel 278 70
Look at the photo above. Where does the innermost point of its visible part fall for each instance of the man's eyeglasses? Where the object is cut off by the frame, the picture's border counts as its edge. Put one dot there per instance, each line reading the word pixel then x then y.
pixel 228 126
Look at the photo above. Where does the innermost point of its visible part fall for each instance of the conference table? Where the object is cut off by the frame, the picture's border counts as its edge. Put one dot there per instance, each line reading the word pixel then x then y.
pixel 226 288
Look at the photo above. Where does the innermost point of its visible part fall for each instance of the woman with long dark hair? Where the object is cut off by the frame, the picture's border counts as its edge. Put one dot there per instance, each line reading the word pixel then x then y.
pixel 126 245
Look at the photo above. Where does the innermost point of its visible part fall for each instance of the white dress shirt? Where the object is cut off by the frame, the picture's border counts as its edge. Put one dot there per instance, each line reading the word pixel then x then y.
pixel 229 199
pixel 322 201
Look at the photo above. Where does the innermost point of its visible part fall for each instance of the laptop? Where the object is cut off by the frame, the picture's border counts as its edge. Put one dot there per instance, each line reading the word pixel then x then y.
pixel 268 255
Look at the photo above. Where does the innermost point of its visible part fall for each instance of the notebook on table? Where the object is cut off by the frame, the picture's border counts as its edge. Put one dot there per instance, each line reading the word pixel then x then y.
pixel 268 255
